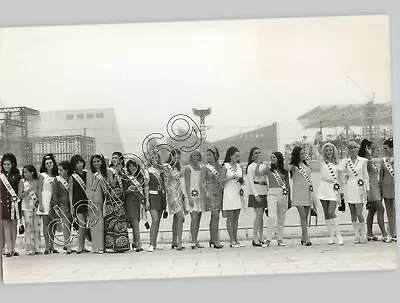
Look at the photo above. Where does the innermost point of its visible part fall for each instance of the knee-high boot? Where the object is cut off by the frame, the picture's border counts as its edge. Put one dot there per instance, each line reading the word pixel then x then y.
pixel 356 232
pixel 330 231
pixel 337 230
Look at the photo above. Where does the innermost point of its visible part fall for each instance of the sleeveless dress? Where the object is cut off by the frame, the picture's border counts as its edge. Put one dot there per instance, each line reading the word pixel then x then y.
pixel 115 221
pixel 195 190
pixel 47 192
pixel 231 196
pixel 354 193
pixel 301 191
pixel 173 189
pixel 133 199
pixel 214 201
pixel 156 189
pixel 374 191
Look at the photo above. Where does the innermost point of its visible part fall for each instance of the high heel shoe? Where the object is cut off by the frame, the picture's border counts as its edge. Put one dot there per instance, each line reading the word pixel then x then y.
pixel 256 244
pixel 219 246
pixel 193 246
pixel 303 242
pixel 308 243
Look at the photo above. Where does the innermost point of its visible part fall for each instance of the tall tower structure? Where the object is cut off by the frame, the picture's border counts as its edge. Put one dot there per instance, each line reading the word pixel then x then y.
pixel 202 114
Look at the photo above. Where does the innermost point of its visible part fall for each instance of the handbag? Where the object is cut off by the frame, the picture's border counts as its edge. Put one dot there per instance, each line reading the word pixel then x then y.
pixel 313 213
pixel 342 206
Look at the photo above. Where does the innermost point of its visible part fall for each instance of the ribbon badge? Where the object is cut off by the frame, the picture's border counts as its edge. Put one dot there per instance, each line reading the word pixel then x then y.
pixel 360 182
pixel 241 192
pixel 195 193
pixel 336 186
pixel 311 188
pixel 285 191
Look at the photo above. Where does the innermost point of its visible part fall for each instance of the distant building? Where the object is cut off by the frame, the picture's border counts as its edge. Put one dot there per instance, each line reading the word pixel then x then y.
pixel 265 138
pixel 99 124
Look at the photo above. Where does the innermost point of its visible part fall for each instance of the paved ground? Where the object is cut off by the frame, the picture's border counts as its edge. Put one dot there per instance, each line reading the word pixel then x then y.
pixel 206 262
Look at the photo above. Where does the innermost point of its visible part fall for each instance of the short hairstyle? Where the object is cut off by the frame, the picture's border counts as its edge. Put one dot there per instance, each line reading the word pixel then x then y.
pixel 75 159
pixel 10 157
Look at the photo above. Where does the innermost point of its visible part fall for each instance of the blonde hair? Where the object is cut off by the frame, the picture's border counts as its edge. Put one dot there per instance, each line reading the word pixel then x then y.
pixel 193 153
pixel 335 152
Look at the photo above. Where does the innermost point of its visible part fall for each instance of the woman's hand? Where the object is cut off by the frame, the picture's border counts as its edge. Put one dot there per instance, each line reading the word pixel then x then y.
pixel 258 199
pixel 191 202
pixel 41 207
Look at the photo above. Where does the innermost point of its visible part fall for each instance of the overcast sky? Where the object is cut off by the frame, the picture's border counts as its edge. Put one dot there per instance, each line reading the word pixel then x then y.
pixel 251 72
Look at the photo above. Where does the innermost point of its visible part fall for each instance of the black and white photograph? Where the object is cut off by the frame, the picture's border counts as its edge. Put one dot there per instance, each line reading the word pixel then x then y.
pixel 196 149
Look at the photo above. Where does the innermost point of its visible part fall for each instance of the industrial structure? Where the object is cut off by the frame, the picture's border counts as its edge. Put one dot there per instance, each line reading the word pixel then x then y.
pixel 374 121
pixel 16 127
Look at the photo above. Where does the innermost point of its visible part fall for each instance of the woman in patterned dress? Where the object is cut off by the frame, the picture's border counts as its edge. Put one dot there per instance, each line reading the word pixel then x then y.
pixel 10 205
pixel 155 199
pixel 330 186
pixel 387 182
pixel 303 193
pixel 115 221
pixel 48 172
pixel 232 179
pixel 211 191
pixel 356 189
pixel 174 195
pixel 28 192
pixel 196 205
pixel 96 188
pixel 374 204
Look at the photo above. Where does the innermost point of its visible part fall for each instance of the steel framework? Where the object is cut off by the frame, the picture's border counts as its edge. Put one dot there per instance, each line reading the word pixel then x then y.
pixel 16 126
pixel 63 147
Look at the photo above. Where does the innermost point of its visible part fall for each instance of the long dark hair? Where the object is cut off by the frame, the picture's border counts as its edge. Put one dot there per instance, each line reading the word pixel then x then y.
pixel 75 159
pixel 66 165
pixel 280 163
pixel 119 154
pixel 174 153
pixel 250 158
pixel 295 158
pixel 229 153
pixel 31 169
pixel 103 167
pixel 138 167
pixel 43 169
pixel 10 157
pixel 362 150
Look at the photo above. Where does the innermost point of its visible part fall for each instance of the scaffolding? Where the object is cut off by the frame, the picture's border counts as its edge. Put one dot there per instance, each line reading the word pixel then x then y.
pixel 16 127
pixel 62 147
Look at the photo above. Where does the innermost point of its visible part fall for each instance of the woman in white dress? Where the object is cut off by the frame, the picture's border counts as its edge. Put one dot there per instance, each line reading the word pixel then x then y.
pixel 48 171
pixel 258 195
pixel 232 179
pixel 196 207
pixel 330 186
pixel 356 189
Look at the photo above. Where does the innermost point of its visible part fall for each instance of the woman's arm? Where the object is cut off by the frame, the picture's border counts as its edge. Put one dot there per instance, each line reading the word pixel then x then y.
pixel 71 192
pixel 366 175
pixel 250 177
pixel 187 181
pixel 381 176
pixel 21 193
pixel 40 189
pixel 111 177
pixel 259 172
pixel 224 179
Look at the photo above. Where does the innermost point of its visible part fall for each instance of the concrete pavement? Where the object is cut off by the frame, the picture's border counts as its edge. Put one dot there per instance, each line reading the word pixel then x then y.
pixel 207 262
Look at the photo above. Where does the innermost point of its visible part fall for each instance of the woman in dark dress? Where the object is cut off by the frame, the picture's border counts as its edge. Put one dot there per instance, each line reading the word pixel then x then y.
pixel 10 204
pixel 155 199
pixel 115 223
pixel 79 200
pixel 134 200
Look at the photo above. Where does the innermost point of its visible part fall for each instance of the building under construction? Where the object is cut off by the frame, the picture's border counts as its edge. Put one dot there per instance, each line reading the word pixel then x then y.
pixel 20 135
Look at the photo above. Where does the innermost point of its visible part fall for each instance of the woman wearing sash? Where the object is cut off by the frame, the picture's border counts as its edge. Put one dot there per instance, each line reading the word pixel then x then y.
pixel 211 190
pixel 258 195
pixel 196 204
pixel 60 204
pixel 174 195
pixel 330 186
pixel 95 191
pixel 28 192
pixel 387 182
pixel 303 191
pixel 78 199
pixel 356 189
pixel 10 203
pixel 278 195
pixel 115 222
pixel 134 190
pixel 48 171
pixel 374 204
pixel 232 179
pixel 155 199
